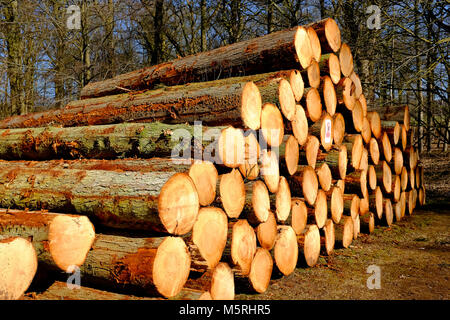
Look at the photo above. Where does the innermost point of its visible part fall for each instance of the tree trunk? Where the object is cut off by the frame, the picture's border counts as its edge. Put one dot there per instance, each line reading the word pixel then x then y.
pixel 131 200
pixel 61 241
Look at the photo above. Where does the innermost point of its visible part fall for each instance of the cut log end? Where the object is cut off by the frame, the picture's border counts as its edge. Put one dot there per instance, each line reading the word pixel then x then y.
pixel 321 208
pixel 315 44
pixel 299 215
pixel 312 149
pixel 310 185
pixel 171 266
pixel 251 106
pixel 297 84
pixel 329 236
pixel 272 126
pixel 329 95
pixel 260 201
pixel 283 200
pixel 346 60
pixel 210 234
pixel 231 147
pixel 204 175
pixel 16 254
pixel 337 204
pixel 266 232
pixel 300 125
pixel 338 128
pixel 291 154
pixel 334 68
pixel 286 99
pixel 243 245
pixel 261 270
pixel 232 193
pixel 222 282
pixel 303 47
pixel 346 232
pixel 333 34
pixel 70 239
pixel 314 104
pixel 324 175
pixel 313 72
pixel 270 170
pixel 286 250
pixel 178 204
pixel 311 245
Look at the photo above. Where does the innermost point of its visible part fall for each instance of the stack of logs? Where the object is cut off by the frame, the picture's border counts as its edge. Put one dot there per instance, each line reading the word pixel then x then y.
pixel 295 164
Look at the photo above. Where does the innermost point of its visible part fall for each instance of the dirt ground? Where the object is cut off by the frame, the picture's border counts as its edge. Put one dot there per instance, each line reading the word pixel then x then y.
pixel 413 255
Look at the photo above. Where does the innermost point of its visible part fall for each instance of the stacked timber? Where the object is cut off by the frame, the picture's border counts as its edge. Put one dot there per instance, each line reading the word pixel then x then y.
pixel 202 182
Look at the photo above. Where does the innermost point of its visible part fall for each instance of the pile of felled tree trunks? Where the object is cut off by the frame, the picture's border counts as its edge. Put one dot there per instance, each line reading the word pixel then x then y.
pixel 202 176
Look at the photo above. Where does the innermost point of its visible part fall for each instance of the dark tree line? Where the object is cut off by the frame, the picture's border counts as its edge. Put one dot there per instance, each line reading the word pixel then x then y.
pixel 44 64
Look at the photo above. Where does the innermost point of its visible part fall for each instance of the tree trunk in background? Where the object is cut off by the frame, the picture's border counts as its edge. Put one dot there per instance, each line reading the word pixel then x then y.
pixel 14 44
pixel 269 16
pixel 157 34
pixel 419 92
pixel 322 9
pixel 203 26
pixel 431 58
pixel 85 46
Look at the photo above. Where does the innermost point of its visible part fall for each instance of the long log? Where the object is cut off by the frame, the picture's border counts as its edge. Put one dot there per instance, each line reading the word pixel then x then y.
pixel 276 51
pixel 394 113
pixel 140 263
pixel 142 140
pixel 18 265
pixel 235 101
pixel 61 241
pixel 130 200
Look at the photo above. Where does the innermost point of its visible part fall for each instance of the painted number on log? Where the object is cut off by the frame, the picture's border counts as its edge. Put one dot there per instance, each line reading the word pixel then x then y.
pixel 327 131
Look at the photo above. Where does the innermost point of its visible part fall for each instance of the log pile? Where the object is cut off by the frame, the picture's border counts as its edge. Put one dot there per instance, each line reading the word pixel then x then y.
pixel 292 164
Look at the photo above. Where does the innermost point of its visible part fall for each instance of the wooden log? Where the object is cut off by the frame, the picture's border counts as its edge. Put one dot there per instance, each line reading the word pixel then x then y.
pixel 384 176
pixel 286 98
pixel 355 146
pixel 351 204
pixel 393 129
pixel 376 202
pixel 299 125
pixel 329 65
pixel 276 51
pixel 422 196
pixel 61 241
pixel 358 87
pixel 336 161
pixel 356 227
pixel 250 168
pixel 288 154
pixel 367 223
pixel 338 129
pixel 366 131
pixel 320 212
pixel 404 177
pixel 231 147
pixel 272 126
pixel 60 291
pixel 204 175
pixel 305 183
pixel 336 204
pixel 266 232
pixel 146 263
pixel 374 151
pixel 285 251
pixel 410 157
pixel 328 33
pixel 313 104
pixel 397 207
pixel 222 283
pixel 372 177
pixel 209 234
pixel 309 245
pixel 356 182
pixel 270 170
pixel 232 193
pixel 18 262
pixel 260 273
pixel 324 176
pixel 364 203
pixel 243 245
pixel 375 123
pixel 344 232
pixel 283 200
pixel 364 162
pixel 257 202
pixel 345 94
pixel 388 213
pixel 402 201
pixel 323 130
pixel 363 101
pixel 130 200
pixel 299 215
pixel 297 84
pixel 346 60
pixel 328 95
pixel 96 142
pixel 310 151
pixel 404 137
pixel 313 75
pixel 327 237
pixel 394 113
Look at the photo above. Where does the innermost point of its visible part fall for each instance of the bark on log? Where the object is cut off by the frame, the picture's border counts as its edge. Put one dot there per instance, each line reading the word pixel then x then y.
pixel 18 265
pixel 276 51
pixel 142 140
pixel 61 241
pixel 146 263
pixel 235 101
pixel 130 200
